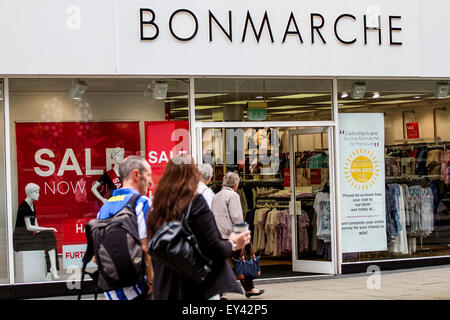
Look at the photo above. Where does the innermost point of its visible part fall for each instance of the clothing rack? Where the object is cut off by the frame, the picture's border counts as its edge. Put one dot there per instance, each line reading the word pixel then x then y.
pixel 305 151
pixel 275 183
pixel 423 181
pixel 272 205
pixel 285 199
pixel 405 146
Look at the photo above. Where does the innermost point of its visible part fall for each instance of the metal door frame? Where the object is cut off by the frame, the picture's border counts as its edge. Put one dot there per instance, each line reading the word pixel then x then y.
pixel 311 266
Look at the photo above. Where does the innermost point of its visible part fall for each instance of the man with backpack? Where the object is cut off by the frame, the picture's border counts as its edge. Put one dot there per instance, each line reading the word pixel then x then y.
pixel 135 173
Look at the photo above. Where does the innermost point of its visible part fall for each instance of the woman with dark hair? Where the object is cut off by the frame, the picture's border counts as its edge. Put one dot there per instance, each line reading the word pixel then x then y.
pixel 176 190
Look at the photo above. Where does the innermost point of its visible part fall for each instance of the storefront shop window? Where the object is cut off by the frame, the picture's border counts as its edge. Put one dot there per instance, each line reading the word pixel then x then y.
pixel 3 215
pixel 416 161
pixel 67 136
pixel 262 100
pixel 261 157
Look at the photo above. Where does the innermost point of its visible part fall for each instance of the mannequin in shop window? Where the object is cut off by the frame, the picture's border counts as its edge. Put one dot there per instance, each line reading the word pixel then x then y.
pixel 28 235
pixel 111 177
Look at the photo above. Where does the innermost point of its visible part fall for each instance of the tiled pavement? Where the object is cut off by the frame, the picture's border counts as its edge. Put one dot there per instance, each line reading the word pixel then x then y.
pixel 431 283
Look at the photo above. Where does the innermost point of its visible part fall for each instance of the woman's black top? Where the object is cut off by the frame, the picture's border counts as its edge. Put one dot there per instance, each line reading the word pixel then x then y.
pixel 24 240
pixel 168 285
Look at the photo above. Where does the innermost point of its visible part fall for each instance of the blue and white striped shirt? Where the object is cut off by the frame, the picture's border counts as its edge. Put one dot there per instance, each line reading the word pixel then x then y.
pixel 118 200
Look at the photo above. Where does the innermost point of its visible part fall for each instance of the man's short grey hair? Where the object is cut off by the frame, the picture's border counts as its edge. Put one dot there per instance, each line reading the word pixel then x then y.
pixel 206 170
pixel 230 180
pixel 130 163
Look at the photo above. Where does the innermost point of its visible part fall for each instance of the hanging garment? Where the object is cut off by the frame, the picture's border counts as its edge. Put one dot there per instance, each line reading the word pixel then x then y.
pixel 322 207
pixel 408 166
pixel 427 219
pixel 407 201
pixel 445 167
pixel 303 237
pixel 259 239
pixel 433 162
pixel 422 207
pixel 421 167
pixel 393 223
pixel 399 243
pixel 269 228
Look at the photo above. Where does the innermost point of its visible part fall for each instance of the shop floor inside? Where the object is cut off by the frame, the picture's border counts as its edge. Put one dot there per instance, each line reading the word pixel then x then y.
pixel 280 267
pixel 280 271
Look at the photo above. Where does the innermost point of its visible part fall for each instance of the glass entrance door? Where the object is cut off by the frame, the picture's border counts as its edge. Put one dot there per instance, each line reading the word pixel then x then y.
pixel 267 160
pixel 312 200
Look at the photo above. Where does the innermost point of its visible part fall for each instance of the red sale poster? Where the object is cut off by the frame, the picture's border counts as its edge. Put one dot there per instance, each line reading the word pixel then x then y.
pixel 412 130
pixel 65 159
pixel 316 176
pixel 287 177
pixel 164 140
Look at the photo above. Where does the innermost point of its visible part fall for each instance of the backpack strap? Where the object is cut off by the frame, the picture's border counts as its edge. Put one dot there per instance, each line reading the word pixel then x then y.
pixel 88 255
pixel 188 231
pixel 131 204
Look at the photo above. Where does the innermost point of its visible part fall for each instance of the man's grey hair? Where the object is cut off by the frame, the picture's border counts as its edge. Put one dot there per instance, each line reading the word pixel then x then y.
pixel 230 180
pixel 206 170
pixel 130 163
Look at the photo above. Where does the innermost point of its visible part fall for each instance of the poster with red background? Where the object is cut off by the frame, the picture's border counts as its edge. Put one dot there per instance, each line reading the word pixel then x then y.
pixel 412 130
pixel 65 159
pixel 287 177
pixel 164 140
pixel 315 176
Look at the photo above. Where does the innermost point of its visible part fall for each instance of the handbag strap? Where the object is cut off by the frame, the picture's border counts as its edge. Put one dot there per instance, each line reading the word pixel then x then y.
pixel 184 219
pixel 187 229
pixel 252 253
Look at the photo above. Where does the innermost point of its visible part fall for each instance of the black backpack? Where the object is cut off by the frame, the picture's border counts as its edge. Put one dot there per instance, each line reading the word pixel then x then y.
pixel 117 249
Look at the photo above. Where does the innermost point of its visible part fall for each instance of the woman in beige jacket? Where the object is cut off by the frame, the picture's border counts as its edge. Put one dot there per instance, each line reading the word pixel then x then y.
pixel 227 210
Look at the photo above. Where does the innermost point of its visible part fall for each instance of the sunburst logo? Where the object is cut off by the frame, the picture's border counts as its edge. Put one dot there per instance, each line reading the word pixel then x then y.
pixel 361 169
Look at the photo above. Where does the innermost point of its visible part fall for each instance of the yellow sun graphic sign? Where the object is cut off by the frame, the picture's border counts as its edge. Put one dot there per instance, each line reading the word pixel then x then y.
pixel 361 169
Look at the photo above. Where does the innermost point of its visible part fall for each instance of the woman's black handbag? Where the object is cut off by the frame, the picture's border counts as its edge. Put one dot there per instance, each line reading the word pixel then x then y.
pixel 175 246
pixel 247 269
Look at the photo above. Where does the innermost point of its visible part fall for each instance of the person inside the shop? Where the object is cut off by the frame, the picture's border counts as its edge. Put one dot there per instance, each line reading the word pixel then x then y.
pixel 206 172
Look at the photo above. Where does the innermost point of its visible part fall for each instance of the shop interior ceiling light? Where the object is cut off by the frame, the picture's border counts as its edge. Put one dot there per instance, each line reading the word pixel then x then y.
pixel 301 96
pixel 393 102
pixel 358 90
pixel 339 101
pixel 344 95
pixel 246 101
pixel 441 90
pixel 79 87
pixel 199 96
pixel 376 95
pixel 160 90
pixel 398 96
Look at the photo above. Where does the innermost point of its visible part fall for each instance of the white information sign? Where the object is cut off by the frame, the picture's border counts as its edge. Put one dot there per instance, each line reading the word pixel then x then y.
pixel 362 192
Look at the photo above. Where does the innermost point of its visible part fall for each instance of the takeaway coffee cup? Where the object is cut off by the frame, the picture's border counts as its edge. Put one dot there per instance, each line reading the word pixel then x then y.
pixel 239 227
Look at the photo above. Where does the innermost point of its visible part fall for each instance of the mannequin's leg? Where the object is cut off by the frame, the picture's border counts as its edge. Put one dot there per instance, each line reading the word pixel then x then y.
pixel 53 269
